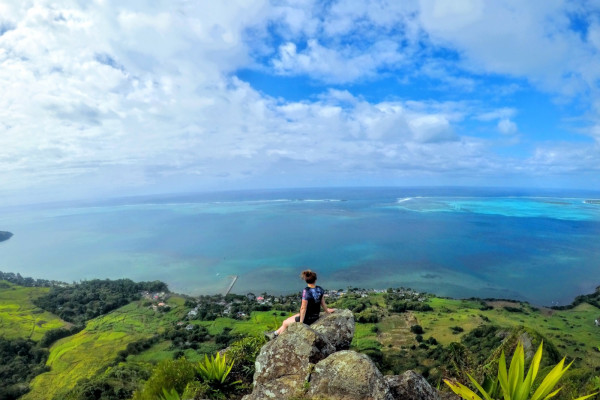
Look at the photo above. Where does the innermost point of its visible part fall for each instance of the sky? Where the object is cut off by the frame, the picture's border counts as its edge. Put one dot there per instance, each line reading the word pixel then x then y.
pixel 109 98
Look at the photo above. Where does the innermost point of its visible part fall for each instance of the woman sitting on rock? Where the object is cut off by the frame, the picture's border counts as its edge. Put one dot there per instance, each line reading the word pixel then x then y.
pixel 312 301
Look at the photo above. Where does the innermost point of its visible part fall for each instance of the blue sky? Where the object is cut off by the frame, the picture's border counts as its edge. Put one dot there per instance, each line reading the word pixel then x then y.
pixel 106 98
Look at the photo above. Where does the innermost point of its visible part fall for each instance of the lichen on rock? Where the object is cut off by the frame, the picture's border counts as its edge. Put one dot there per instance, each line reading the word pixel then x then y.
pixel 312 362
pixel 348 375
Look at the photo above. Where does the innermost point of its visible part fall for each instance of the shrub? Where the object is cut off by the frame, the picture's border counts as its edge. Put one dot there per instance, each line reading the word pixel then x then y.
pixel 456 329
pixel 214 370
pixel 243 353
pixel 367 316
pixel 513 309
pixel 513 384
pixel 168 375
pixel 418 329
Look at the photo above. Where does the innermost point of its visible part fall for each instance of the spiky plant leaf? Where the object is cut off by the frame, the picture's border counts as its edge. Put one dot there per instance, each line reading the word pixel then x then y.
pixel 462 390
pixel 503 377
pixel 513 383
pixel 550 381
pixel 485 394
pixel 170 395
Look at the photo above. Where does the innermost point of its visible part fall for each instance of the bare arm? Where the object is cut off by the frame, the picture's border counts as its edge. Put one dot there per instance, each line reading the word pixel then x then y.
pixel 303 310
pixel 327 310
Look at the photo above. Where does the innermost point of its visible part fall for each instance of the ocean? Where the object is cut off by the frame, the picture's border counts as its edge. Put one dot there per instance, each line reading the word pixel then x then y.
pixel 541 247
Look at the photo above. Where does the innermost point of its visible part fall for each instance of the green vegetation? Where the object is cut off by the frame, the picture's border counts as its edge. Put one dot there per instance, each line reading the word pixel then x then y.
pixel 210 378
pixel 459 336
pixel 20 317
pixel 96 347
pixel 168 375
pixel 17 279
pixel 214 372
pixel 513 385
pixel 134 349
pixel 592 298
pixel 117 382
pixel 243 353
pixel 20 361
pixel 89 299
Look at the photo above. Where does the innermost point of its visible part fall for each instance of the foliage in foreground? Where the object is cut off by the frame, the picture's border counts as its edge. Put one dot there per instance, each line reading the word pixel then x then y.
pixel 513 384
pixel 174 379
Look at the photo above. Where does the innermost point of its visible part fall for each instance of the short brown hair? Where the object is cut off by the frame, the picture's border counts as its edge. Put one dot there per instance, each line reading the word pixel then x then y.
pixel 309 276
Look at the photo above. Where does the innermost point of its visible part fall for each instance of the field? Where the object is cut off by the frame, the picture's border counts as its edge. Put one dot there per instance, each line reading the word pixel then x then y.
pixel 82 355
pixel 259 322
pixel 96 347
pixel 573 331
pixel 19 317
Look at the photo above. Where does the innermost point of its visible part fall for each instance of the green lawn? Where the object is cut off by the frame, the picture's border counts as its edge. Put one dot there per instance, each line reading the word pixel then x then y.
pixel 19 317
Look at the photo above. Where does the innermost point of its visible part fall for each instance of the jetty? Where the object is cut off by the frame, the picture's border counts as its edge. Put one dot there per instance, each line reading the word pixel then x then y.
pixel 233 281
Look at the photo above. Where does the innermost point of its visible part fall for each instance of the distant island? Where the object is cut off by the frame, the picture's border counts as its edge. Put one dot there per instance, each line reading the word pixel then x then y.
pixel 5 236
pixel 593 201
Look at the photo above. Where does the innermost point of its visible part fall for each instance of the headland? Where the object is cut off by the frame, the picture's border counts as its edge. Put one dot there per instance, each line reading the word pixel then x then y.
pixel 5 236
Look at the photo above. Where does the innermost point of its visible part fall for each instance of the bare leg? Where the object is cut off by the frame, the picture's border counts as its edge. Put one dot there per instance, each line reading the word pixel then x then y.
pixel 286 323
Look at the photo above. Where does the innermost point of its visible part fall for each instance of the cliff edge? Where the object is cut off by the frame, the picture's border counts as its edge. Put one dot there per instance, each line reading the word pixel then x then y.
pixel 314 363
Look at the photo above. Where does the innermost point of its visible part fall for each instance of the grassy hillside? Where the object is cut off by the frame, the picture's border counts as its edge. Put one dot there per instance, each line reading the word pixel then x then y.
pixel 93 349
pixel 259 322
pixel 19 317
pixel 464 335
pixel 573 331
pixel 452 334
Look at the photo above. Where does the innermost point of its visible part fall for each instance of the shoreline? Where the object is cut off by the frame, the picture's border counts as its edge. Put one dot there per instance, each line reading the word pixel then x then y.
pixel 17 279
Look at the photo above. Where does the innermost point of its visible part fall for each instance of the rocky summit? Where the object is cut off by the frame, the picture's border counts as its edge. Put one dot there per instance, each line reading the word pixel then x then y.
pixel 314 363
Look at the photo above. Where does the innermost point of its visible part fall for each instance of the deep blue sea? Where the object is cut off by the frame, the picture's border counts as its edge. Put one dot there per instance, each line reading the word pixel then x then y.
pixel 543 247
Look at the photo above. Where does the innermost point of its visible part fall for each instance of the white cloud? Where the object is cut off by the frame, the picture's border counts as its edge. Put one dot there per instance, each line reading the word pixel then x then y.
pixel 109 96
pixel 507 127
pixel 333 65
pixel 533 40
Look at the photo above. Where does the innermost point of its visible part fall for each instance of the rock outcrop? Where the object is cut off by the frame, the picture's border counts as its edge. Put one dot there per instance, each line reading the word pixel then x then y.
pixel 348 375
pixel 411 386
pixel 337 328
pixel 314 363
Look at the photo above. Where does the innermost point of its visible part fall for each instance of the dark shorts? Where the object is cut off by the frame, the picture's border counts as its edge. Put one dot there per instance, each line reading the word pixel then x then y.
pixel 307 321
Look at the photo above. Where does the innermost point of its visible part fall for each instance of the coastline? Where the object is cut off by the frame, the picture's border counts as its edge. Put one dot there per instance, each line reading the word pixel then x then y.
pixel 591 298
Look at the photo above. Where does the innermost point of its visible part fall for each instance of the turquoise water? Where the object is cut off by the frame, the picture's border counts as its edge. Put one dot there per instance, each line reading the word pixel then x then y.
pixel 543 248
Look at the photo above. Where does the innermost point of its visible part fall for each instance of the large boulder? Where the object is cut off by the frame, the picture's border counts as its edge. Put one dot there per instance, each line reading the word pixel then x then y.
pixel 411 386
pixel 284 364
pixel 337 328
pixel 348 375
